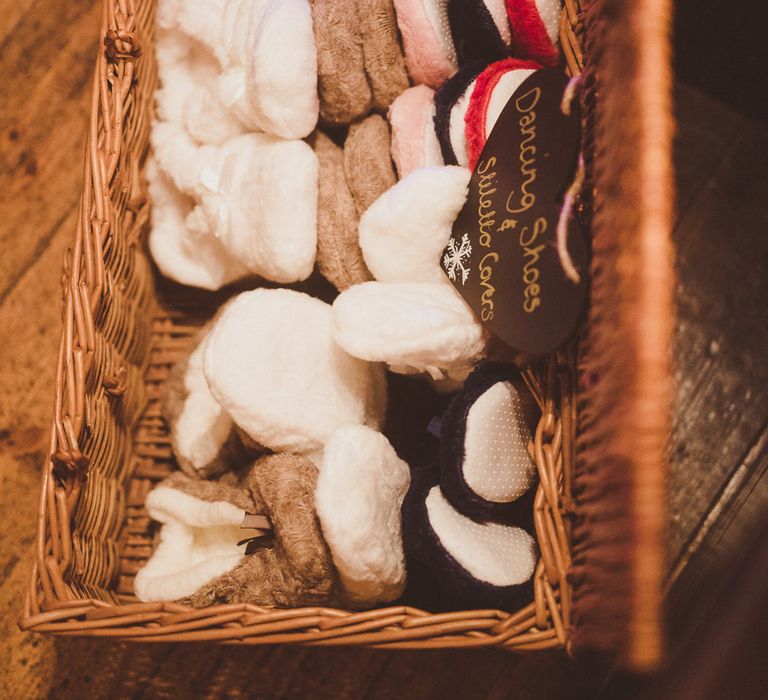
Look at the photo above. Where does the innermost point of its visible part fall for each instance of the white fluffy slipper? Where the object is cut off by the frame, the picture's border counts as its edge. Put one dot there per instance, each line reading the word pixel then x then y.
pixel 404 232
pixel 258 196
pixel 204 438
pixel 198 543
pixel 360 488
pixel 425 326
pixel 266 49
pixel 272 363
pixel 187 94
pixel 197 259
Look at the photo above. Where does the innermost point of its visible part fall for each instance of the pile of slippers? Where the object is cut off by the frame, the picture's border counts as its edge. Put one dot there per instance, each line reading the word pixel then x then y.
pixel 336 136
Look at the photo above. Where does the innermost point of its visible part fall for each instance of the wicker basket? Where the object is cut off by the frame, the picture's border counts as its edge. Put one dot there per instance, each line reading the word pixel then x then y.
pixel 123 329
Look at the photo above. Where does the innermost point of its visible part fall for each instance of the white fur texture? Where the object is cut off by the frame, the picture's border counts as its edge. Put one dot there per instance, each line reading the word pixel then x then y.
pixel 360 489
pixel 232 90
pixel 208 120
pixel 505 88
pixel 224 26
pixel 414 142
pixel 198 542
pixel 262 204
pixel 272 363
pixel 186 96
pixel 457 128
pixel 178 156
pixel 497 465
pixel 202 427
pixel 258 196
pixel 490 552
pixel 426 326
pixel 195 259
pixel 179 76
pixel 282 70
pixel 404 232
pixel 167 15
pixel 266 50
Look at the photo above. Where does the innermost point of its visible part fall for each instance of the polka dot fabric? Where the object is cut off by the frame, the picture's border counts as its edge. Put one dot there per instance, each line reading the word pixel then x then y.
pixel 455 562
pixel 430 54
pixel 494 553
pixel 485 466
pixel 468 520
pixel 497 465
pixel 549 12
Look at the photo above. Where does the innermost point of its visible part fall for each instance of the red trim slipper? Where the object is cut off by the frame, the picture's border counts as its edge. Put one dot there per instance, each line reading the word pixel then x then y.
pixel 484 108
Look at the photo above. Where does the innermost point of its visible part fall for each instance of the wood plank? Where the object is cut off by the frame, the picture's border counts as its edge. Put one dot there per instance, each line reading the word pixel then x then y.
pixel 700 143
pixel 28 359
pixel 12 12
pixel 47 68
pixel 31 321
pixel 721 338
pixel 28 355
pixel 738 515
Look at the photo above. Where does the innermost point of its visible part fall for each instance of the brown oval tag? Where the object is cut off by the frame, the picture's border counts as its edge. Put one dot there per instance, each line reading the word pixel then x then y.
pixel 502 256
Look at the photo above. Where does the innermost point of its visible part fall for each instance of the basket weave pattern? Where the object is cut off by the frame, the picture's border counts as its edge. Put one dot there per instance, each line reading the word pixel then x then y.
pixel 110 444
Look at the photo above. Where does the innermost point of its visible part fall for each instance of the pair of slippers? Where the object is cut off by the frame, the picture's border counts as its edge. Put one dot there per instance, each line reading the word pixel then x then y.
pixel 451 125
pixel 442 36
pixel 266 381
pixel 266 55
pixel 467 520
pixel 267 373
pixel 410 316
pixel 238 92
pixel 344 527
pixel 360 65
pixel 287 533
pixel 266 206
pixel 351 178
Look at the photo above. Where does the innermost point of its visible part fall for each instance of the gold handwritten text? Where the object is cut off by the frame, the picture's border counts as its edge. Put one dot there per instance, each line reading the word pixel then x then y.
pixel 486 272
pixel 524 105
pixel 486 215
pixel 531 254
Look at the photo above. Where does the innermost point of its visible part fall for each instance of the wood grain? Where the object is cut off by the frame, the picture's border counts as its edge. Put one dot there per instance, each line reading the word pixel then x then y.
pixel 721 337
pixel 718 484
pixel 46 76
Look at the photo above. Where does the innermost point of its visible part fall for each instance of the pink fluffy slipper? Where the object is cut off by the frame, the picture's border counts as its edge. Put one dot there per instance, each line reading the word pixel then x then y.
pixel 429 51
pixel 414 142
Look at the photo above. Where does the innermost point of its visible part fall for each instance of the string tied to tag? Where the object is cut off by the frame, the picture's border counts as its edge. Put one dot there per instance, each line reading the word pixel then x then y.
pixel 569 200
pixel 569 94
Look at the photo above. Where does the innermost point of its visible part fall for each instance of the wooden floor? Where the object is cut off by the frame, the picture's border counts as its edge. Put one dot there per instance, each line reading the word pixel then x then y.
pixel 718 485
